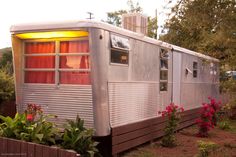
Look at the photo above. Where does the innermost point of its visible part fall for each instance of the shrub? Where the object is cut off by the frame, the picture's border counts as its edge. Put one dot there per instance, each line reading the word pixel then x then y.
pixel 232 110
pixel 6 62
pixel 205 121
pixel 216 107
pixel 31 126
pixel 78 138
pixel 208 118
pixel 7 89
pixel 172 112
pixel 206 148
pixel 12 127
pixel 224 125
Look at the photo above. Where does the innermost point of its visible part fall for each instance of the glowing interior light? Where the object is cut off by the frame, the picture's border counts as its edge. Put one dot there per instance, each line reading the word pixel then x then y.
pixel 57 34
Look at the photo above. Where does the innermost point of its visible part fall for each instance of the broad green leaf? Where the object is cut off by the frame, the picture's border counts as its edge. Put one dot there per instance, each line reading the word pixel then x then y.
pixel 39 136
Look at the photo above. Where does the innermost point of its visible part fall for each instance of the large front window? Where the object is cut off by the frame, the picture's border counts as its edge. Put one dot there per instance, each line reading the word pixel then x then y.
pixel 57 62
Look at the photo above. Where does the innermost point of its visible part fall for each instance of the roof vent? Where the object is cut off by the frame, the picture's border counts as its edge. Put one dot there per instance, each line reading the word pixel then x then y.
pixel 135 22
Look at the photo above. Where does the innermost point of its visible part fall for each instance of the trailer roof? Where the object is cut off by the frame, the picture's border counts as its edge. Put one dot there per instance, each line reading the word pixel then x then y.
pixel 68 25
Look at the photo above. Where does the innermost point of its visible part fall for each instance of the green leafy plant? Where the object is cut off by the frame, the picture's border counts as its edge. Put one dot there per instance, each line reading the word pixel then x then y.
pixel 6 61
pixel 40 131
pixel 12 127
pixel 78 138
pixel 7 89
pixel 224 125
pixel 34 128
pixel 172 112
pixel 206 148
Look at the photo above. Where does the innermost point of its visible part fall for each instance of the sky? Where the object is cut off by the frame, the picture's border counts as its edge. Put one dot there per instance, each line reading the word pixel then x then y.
pixel 29 11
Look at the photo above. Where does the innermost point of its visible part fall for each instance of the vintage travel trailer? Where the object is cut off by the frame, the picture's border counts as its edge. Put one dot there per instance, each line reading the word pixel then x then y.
pixel 114 79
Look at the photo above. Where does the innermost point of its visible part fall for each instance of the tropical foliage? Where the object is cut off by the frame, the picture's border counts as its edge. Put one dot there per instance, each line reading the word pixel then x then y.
pixel 28 127
pixel 78 138
pixel 33 126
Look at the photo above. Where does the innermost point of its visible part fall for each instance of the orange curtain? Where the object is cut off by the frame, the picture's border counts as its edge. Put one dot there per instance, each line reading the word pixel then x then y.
pixel 40 77
pixel 39 62
pixel 74 62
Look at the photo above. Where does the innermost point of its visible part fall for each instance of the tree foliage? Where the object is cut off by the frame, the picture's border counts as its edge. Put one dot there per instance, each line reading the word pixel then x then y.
pixel 152 27
pixel 7 91
pixel 205 26
pixel 6 62
pixel 114 18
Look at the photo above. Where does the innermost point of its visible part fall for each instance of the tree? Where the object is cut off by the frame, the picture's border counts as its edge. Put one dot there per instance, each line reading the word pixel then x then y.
pixel 114 18
pixel 7 90
pixel 205 26
pixel 6 63
pixel 152 27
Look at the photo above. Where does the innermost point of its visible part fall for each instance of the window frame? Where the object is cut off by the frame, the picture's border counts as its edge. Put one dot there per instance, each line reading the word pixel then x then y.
pixel 57 55
pixel 165 69
pixel 120 50
pixel 124 50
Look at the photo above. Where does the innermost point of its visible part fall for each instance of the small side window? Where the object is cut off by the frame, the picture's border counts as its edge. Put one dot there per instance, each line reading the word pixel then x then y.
pixel 163 70
pixel 119 50
pixel 118 56
pixel 195 69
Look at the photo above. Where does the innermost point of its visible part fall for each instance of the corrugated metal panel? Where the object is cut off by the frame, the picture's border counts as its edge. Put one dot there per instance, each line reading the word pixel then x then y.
pixel 132 102
pixel 64 101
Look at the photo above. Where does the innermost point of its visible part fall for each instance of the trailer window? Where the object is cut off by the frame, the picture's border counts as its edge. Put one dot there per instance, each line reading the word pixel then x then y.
pixel 39 62
pixel 74 62
pixel 119 50
pixel 163 70
pixel 57 62
pixel 118 56
pixel 195 67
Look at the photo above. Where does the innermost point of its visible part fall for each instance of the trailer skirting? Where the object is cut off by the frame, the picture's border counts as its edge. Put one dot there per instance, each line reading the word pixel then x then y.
pixel 132 135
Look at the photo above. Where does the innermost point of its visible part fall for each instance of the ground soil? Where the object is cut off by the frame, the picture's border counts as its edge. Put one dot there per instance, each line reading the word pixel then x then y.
pixel 187 145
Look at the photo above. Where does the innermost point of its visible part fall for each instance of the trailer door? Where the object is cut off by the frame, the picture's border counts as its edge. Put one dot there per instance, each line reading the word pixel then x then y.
pixel 177 61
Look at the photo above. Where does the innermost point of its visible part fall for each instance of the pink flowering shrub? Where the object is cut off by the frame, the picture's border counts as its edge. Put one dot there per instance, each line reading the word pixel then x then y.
pixel 208 118
pixel 216 107
pixel 172 112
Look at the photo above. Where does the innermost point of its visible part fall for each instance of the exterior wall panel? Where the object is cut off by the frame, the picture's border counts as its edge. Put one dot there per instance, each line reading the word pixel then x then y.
pixel 66 102
pixel 132 102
